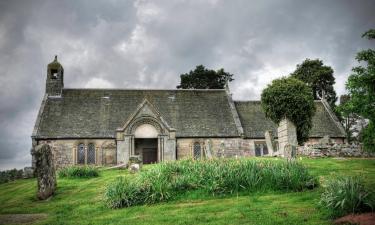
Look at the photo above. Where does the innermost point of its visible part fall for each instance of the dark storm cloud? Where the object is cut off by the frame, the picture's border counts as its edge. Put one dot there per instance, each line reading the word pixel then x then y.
pixel 142 44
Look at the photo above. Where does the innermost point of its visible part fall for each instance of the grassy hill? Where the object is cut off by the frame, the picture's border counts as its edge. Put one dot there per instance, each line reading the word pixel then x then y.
pixel 79 201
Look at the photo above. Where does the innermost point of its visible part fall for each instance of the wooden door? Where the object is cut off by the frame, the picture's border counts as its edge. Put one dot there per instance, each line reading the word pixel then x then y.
pixel 150 155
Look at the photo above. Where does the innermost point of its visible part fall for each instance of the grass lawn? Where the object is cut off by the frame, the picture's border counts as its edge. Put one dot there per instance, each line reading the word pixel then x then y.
pixel 79 201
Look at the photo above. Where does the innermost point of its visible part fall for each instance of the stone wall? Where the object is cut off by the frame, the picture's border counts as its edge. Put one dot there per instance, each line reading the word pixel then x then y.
pixel 220 147
pixel 333 150
pixel 65 151
pixel 313 141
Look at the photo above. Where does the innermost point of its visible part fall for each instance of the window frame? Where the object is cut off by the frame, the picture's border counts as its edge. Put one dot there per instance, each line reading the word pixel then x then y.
pixel 81 154
pixel 91 147
pixel 198 145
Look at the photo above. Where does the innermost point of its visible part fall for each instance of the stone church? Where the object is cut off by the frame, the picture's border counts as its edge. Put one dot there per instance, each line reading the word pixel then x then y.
pixel 108 126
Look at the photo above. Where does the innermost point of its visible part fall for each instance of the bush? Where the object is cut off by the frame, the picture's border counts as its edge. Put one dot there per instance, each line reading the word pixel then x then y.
pixel 217 177
pixel 10 175
pixel 291 98
pixel 344 195
pixel 78 172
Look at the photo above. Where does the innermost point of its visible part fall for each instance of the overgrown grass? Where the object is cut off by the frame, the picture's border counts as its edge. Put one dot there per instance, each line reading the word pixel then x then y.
pixel 78 172
pixel 347 194
pixel 216 177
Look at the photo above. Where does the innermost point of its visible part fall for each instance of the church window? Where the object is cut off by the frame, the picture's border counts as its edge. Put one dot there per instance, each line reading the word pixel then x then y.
pixel 261 148
pixel 91 154
pixel 81 154
pixel 197 150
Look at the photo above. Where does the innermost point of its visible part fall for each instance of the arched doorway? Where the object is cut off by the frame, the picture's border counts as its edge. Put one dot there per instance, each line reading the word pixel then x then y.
pixel 146 143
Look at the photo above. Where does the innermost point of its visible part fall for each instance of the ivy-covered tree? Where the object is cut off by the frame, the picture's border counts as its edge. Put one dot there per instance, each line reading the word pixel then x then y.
pixel 319 77
pixel 293 99
pixel 361 88
pixel 202 78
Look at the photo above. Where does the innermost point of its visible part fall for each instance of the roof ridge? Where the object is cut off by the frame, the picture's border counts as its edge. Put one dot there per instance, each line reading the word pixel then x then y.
pixel 246 101
pixel 140 89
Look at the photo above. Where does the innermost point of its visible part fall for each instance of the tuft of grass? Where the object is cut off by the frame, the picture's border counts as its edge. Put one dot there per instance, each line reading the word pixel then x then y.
pixel 216 177
pixel 78 172
pixel 347 194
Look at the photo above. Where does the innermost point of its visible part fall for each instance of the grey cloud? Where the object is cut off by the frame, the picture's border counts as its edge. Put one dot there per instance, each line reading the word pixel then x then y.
pixel 147 44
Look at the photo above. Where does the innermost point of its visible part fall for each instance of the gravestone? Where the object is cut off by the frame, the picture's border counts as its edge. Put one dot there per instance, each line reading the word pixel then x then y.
pixel 207 149
pixel 44 171
pixel 287 137
pixel 135 163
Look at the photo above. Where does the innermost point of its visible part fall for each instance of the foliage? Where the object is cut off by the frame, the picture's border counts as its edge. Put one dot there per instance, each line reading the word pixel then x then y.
pixel 367 137
pixel 216 177
pixel 78 172
pixel 348 118
pixel 319 77
pixel 361 88
pixel 345 195
pixel 202 78
pixel 10 175
pixel 293 99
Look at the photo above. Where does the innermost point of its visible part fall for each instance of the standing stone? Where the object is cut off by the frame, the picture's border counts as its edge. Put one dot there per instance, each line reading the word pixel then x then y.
pixel 44 171
pixel 287 137
pixel 208 148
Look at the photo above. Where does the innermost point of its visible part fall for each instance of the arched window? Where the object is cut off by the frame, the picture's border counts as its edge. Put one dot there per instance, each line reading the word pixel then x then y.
pixel 81 154
pixel 91 154
pixel 197 150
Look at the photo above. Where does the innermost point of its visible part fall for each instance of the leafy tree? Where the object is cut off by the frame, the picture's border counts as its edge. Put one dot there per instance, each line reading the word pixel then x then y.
pixel 348 118
pixel 361 88
pixel 202 78
pixel 293 99
pixel 319 77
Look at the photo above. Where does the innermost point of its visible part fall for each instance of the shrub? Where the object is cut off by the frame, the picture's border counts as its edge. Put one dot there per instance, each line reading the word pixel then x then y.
pixel 217 177
pixel 78 172
pixel 344 195
pixel 291 98
pixel 10 175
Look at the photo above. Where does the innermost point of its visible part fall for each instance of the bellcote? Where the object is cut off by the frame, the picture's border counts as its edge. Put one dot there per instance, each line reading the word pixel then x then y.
pixel 55 78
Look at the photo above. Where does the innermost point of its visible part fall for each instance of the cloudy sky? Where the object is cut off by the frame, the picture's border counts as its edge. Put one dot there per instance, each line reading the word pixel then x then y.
pixel 147 44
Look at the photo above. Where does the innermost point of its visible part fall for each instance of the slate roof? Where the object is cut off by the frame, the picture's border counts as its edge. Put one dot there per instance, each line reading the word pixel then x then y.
pixel 255 123
pixel 253 119
pixel 97 113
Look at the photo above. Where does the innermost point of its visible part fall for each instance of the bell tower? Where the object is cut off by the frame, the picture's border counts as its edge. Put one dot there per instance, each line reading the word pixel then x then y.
pixel 55 78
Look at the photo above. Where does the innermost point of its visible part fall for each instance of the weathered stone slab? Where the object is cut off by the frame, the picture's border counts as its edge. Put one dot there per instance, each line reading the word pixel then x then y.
pixel 287 137
pixel 44 171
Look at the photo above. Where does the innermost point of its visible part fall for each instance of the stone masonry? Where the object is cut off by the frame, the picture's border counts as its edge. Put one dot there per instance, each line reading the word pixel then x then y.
pixel 287 136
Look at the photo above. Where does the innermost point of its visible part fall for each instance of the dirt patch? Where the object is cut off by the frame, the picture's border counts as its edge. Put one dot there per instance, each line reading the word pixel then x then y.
pixel 21 218
pixel 361 219
pixel 188 204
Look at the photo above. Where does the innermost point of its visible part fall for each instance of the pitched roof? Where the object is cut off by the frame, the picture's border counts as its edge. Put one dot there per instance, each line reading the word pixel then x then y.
pixel 253 119
pixel 255 123
pixel 97 113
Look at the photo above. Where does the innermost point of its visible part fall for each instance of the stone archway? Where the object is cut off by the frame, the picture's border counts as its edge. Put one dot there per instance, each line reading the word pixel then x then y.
pixel 146 123
pixel 146 143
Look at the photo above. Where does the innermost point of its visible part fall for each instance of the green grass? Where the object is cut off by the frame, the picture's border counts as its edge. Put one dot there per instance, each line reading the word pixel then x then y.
pixel 78 172
pixel 79 201
pixel 166 181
